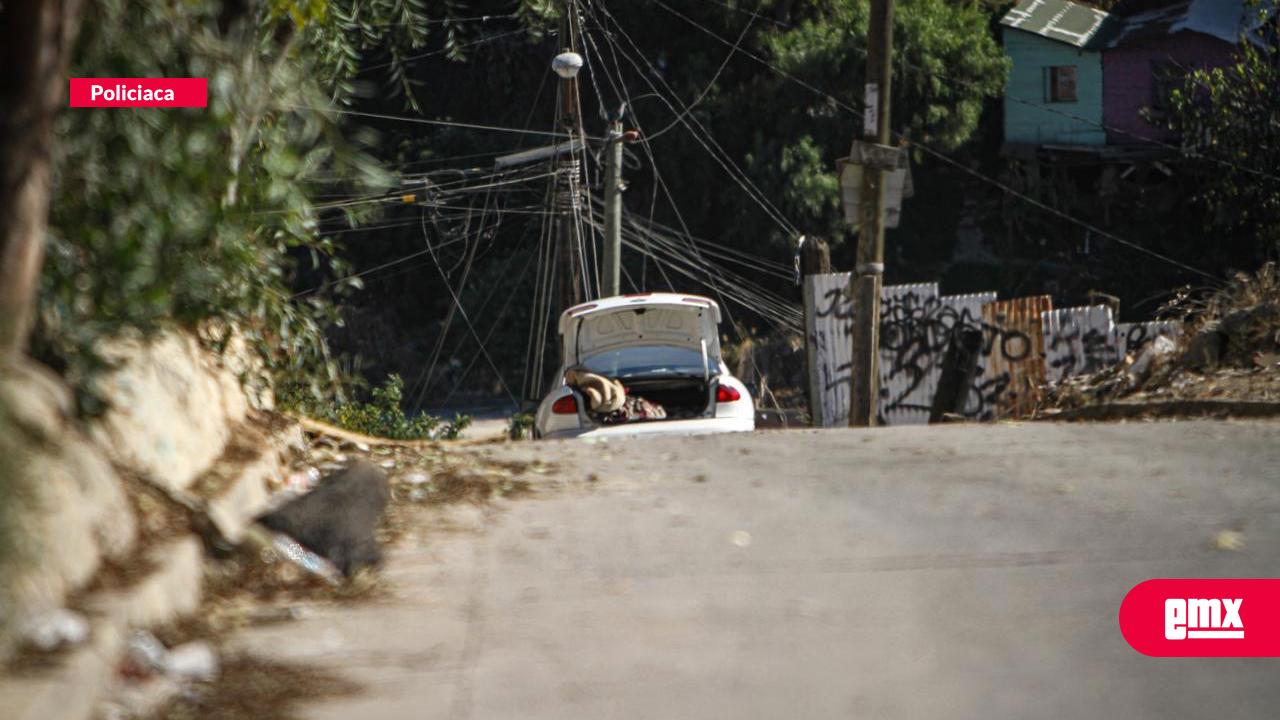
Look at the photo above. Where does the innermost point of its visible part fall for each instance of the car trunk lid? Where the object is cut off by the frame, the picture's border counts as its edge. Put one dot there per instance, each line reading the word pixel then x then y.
pixel 689 322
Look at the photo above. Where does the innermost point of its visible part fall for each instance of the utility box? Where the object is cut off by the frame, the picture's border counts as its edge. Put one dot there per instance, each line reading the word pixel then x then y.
pixel 898 164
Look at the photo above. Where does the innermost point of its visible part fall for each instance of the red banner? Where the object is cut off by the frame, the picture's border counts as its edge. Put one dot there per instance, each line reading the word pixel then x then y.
pixel 139 92
pixel 1203 618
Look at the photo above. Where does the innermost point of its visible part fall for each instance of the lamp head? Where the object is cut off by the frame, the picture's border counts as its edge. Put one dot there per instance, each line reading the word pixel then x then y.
pixel 567 64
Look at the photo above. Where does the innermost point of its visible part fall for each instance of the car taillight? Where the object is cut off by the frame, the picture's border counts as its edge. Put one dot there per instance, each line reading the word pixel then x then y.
pixel 726 393
pixel 567 405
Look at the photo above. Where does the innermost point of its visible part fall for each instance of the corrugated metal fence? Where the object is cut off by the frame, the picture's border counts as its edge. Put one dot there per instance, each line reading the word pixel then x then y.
pixel 1025 342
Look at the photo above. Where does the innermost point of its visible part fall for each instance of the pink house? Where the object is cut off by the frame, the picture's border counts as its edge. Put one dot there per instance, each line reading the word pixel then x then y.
pixel 1151 52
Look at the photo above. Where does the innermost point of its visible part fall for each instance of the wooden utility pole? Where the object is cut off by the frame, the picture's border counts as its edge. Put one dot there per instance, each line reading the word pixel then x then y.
pixel 568 198
pixel 815 256
pixel 870 268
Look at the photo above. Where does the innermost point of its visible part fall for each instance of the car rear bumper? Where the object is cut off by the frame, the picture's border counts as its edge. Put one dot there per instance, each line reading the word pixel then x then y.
pixel 652 428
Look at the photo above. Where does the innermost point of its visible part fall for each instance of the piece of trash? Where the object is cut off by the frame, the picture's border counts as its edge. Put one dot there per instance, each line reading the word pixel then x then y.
pixel 195 660
pixel 417 478
pixel 145 654
pixel 417 494
pixel 388 464
pixel 1228 541
pixel 56 628
pixel 296 553
pixel 741 538
pixel 337 520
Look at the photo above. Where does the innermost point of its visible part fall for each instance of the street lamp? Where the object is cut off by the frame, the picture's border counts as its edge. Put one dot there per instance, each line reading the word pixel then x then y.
pixel 567 64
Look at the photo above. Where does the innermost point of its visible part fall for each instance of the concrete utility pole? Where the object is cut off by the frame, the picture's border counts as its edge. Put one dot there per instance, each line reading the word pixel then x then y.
pixel 613 209
pixel 870 268
pixel 613 187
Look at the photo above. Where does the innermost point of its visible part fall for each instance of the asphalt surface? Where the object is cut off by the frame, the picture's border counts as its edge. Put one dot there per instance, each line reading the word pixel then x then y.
pixel 945 572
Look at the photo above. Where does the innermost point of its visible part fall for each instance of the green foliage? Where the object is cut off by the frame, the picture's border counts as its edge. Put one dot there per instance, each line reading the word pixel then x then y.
pixel 947 65
pixel 1229 119
pixel 193 215
pixel 384 416
pixel 520 426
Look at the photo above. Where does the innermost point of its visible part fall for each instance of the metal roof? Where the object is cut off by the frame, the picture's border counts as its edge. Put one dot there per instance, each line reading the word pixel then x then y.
pixel 1060 20
pixel 1221 19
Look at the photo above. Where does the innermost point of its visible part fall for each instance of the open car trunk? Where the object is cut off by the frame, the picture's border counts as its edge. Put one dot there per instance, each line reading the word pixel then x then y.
pixel 664 349
pixel 680 398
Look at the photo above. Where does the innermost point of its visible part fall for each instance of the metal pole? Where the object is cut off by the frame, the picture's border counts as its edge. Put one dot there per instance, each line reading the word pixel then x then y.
pixel 613 212
pixel 870 268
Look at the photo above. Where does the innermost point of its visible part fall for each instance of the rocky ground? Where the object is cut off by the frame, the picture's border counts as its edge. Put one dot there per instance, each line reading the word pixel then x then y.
pixel 1225 362
pixel 253 585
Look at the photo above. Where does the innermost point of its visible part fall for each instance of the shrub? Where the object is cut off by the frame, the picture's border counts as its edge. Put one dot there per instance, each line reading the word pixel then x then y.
pixel 384 416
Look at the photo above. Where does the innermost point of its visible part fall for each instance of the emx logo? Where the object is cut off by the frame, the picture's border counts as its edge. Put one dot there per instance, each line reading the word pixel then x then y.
pixel 1203 618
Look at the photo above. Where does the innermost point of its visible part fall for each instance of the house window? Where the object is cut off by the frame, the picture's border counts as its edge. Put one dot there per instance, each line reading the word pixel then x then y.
pixel 1166 77
pixel 1062 84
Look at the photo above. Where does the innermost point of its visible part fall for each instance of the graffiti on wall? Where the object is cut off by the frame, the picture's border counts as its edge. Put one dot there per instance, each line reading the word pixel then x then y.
pixel 909 352
pixel 1025 343
pixel 1013 354
pixel 1131 338
pixel 828 331
pixel 916 328
pixel 1078 341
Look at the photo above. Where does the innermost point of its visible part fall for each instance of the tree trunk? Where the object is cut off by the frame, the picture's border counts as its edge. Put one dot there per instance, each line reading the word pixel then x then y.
pixel 35 45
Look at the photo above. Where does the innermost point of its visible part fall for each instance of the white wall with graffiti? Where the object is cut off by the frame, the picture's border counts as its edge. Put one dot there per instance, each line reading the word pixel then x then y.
pixel 1025 342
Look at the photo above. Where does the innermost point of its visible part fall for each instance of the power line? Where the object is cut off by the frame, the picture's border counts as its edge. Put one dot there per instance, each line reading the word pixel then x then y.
pixel 361 274
pixel 463 311
pixel 705 139
pixel 447 20
pixel 442 51
pixel 440 123
pixel 710 84
pixel 1054 211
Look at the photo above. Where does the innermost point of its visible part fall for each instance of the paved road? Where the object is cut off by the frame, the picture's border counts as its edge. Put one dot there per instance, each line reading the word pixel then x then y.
pixel 947 572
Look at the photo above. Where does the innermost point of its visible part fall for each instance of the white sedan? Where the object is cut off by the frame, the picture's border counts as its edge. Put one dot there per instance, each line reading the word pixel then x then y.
pixel 663 347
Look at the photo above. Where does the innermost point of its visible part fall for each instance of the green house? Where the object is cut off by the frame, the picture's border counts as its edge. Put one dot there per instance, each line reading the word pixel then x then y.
pixel 1054 92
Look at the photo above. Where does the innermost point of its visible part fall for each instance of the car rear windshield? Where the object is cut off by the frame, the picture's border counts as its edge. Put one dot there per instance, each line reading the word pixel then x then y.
pixel 647 361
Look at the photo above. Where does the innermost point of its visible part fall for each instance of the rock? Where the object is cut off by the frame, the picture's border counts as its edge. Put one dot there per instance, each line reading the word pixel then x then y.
pixel 1155 351
pixel 195 661
pixel 1250 331
pixel 337 519
pixel 145 653
pixel 51 630
pixel 1205 350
